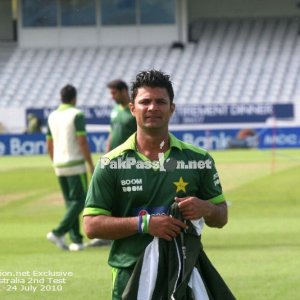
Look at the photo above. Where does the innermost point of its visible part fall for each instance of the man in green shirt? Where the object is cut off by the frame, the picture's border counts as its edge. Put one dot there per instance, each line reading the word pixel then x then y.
pixel 69 151
pixel 134 185
pixel 123 124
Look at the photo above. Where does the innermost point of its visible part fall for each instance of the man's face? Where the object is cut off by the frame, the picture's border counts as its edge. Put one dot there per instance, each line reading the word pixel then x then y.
pixel 117 95
pixel 152 108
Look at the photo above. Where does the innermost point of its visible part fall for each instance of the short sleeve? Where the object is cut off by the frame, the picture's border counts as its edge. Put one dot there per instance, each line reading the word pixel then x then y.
pixel 101 192
pixel 79 123
pixel 211 188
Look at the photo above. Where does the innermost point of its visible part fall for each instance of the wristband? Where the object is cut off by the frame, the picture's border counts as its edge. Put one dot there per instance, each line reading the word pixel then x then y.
pixel 140 221
pixel 143 223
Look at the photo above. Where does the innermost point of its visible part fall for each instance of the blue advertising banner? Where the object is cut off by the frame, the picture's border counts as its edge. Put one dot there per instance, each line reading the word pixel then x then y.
pixel 31 144
pixel 231 113
pixel 194 113
pixel 261 138
pixel 217 139
pixel 93 115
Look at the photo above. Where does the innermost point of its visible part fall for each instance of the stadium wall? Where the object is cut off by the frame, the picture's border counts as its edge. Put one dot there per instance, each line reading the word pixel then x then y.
pixel 204 116
pixel 187 11
pixel 268 133
pixel 12 120
pixel 196 114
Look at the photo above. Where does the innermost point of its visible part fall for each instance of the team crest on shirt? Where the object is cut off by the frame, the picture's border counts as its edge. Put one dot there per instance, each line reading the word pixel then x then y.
pixel 143 212
pixel 132 185
pixel 180 185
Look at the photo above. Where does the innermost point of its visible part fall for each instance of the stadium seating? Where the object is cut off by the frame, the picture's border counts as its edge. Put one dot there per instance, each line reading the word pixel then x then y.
pixel 231 60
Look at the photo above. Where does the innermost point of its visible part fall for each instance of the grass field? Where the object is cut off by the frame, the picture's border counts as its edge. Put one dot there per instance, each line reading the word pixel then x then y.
pixel 257 253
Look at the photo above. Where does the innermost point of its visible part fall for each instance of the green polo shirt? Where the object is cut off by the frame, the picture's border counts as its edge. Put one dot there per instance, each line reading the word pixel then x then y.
pixel 123 125
pixel 125 184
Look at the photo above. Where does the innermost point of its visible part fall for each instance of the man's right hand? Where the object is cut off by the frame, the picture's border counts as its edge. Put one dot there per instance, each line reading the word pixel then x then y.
pixel 165 227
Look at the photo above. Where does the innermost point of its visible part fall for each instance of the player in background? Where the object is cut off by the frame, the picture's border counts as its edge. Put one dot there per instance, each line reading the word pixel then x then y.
pixel 69 151
pixel 33 124
pixel 122 123
pixel 122 126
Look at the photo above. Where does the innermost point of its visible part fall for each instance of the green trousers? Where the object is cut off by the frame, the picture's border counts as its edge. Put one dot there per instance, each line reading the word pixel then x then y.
pixel 120 277
pixel 74 189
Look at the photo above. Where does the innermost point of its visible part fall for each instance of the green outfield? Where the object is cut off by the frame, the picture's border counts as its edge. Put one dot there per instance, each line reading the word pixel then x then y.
pixel 257 253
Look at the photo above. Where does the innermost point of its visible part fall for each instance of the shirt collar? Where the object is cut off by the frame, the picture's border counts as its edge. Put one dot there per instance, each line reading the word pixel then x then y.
pixel 64 106
pixel 130 143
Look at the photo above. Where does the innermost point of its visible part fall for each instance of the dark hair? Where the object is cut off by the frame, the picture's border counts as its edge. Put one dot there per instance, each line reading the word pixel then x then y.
pixel 152 78
pixel 68 93
pixel 118 84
